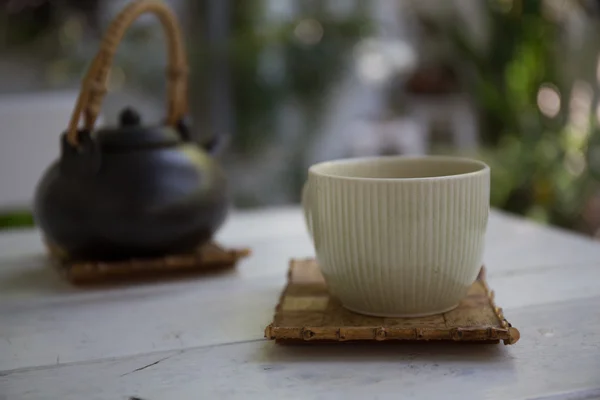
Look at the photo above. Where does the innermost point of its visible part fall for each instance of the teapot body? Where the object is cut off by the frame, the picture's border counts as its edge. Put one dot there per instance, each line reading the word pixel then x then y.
pixel 131 191
pixel 131 203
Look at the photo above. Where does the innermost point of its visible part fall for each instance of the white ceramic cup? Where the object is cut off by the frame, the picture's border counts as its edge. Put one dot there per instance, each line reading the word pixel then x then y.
pixel 398 236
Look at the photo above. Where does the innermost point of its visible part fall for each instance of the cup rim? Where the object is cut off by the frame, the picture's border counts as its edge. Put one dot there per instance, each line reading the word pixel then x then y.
pixel 483 168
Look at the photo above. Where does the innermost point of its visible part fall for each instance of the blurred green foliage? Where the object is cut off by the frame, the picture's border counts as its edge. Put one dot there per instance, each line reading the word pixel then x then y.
pixel 16 219
pixel 310 49
pixel 541 164
pixel 545 165
pixel 273 63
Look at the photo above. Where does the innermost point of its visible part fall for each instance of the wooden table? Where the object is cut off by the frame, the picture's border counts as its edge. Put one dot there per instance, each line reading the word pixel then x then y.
pixel 203 338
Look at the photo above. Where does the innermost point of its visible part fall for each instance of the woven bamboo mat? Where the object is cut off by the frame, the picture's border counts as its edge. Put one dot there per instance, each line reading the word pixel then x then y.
pixel 210 257
pixel 307 313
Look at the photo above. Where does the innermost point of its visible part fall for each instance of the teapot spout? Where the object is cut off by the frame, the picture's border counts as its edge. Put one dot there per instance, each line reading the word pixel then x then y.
pixel 215 144
pixel 183 127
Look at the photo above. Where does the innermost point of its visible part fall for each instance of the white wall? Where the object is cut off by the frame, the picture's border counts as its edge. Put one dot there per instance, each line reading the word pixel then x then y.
pixel 30 129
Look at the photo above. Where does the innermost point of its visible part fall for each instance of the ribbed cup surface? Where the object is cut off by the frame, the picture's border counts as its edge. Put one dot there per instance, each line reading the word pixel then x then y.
pixel 399 247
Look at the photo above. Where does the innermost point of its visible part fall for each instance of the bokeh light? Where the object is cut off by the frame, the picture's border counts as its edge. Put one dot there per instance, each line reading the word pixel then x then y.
pixel 580 105
pixel 379 60
pixel 309 31
pixel 548 100
pixel 575 162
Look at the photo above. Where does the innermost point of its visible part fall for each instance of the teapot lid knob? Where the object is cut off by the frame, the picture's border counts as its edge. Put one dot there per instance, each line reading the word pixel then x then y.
pixel 129 117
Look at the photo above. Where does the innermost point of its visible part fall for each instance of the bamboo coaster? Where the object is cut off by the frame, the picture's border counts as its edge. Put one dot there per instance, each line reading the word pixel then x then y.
pixel 210 257
pixel 307 313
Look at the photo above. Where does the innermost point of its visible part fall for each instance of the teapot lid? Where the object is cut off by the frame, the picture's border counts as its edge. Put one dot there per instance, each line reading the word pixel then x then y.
pixel 130 134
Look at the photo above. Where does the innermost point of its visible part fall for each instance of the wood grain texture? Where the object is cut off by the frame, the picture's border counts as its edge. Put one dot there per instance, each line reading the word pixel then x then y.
pixel 558 359
pixel 58 341
pixel 306 312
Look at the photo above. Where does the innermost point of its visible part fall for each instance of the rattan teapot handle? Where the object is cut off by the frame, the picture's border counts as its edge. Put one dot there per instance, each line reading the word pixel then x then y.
pixel 94 84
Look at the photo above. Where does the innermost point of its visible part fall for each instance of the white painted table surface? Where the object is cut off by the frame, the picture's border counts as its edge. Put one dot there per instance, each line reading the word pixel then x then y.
pixel 203 338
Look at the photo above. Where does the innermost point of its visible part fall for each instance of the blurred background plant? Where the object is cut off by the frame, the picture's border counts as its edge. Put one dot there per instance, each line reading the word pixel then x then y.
pixel 262 72
pixel 290 82
pixel 537 111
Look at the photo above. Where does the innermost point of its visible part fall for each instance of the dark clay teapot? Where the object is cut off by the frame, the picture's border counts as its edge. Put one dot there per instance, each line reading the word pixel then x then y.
pixel 131 191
